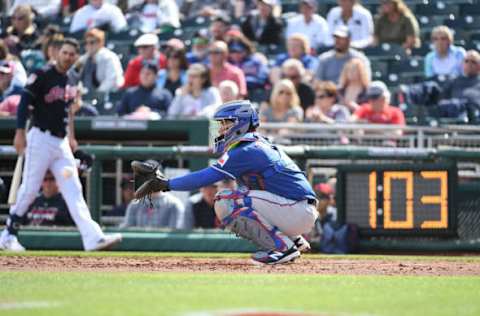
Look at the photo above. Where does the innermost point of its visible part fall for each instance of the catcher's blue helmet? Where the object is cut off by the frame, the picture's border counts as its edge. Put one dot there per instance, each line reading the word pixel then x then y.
pixel 244 118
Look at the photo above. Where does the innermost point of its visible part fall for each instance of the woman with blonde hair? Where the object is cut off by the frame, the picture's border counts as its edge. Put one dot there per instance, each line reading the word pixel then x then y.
pixel 353 84
pixel 284 104
pixel 445 59
pixel 396 24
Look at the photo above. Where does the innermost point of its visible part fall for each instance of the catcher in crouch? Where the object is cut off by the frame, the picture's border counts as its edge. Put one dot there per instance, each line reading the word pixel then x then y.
pixel 275 203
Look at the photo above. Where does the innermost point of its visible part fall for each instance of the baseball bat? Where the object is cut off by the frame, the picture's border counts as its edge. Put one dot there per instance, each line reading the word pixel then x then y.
pixel 17 175
pixel 15 184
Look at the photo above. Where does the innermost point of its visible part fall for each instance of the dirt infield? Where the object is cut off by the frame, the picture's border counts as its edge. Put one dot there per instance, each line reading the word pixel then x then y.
pixel 306 264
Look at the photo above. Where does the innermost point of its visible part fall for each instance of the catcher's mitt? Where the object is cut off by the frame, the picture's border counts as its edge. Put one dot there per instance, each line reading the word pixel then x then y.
pixel 148 178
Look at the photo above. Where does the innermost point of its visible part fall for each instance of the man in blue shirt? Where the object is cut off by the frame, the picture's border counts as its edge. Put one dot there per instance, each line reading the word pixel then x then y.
pixel 274 204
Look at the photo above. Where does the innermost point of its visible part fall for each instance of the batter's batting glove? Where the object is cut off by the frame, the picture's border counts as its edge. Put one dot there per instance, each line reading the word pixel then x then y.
pixel 148 178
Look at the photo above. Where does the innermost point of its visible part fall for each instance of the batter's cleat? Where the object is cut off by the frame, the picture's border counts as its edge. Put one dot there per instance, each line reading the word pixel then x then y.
pixel 276 257
pixel 302 244
pixel 10 242
pixel 107 242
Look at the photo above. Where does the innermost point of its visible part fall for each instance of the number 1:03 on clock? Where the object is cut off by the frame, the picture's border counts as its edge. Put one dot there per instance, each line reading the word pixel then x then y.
pixel 398 199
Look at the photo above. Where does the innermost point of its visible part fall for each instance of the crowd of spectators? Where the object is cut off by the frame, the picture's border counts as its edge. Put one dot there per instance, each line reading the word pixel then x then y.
pixel 297 66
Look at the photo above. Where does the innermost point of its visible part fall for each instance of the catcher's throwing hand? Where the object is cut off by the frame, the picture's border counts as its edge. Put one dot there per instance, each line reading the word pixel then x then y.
pixel 148 178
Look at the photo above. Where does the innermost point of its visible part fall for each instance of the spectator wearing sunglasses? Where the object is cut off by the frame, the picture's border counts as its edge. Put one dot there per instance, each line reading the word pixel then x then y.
pixel 378 109
pixel 101 69
pixel 284 104
pixel 445 59
pixel 293 69
pixel 175 75
pixel 326 110
pixel 469 78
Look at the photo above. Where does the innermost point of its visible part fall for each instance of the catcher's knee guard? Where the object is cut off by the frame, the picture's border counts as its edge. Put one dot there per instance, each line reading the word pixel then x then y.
pixel 234 209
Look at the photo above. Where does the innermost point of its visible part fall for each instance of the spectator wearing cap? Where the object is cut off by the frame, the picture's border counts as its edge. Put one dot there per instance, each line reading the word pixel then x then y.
pixel 101 69
pixel 326 109
pixel 241 53
pixel 221 69
pixel 98 14
pixel 206 8
pixel 331 63
pixel 45 8
pixel 396 24
pixel 175 75
pixel 470 78
pixel 199 50
pixel 261 26
pixel 309 23
pixel 298 47
pixel 127 195
pixel 49 208
pixel 145 101
pixel 356 18
pixel 446 59
pixel 153 15
pixel 378 110
pixel 327 207
pixel 293 69
pixel 219 27
pixel 9 94
pixel 196 95
pixel 22 34
pixel 147 46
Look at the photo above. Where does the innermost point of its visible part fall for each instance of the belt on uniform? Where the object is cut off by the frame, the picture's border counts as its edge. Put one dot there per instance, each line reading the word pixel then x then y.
pixel 59 134
pixel 312 202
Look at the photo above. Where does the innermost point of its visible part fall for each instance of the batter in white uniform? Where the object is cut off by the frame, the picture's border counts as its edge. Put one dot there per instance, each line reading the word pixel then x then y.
pixel 48 145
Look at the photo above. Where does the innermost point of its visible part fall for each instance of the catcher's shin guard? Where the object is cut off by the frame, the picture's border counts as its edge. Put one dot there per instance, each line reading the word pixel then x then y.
pixel 235 211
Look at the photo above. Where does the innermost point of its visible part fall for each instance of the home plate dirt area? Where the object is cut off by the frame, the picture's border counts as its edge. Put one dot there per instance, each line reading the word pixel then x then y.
pixel 438 266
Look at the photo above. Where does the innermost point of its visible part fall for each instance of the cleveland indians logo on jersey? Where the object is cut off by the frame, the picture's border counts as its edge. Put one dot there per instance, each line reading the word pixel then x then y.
pixel 58 93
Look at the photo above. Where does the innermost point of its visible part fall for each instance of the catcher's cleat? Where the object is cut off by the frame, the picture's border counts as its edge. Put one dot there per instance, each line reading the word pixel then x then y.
pixel 276 257
pixel 10 242
pixel 106 242
pixel 302 244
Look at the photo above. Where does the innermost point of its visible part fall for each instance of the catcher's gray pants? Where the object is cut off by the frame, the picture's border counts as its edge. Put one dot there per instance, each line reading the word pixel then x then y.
pixel 290 217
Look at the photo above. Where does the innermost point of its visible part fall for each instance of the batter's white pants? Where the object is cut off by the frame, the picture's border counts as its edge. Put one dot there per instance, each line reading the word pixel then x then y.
pixel 291 217
pixel 43 152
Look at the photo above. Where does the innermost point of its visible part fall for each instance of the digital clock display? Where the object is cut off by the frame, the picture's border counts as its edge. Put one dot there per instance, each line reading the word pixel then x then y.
pixel 397 199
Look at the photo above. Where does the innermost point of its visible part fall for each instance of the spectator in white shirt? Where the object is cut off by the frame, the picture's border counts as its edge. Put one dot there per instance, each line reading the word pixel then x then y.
pixel 358 20
pixel 46 8
pixel 155 14
pixel 98 14
pixel 310 24
pixel 101 68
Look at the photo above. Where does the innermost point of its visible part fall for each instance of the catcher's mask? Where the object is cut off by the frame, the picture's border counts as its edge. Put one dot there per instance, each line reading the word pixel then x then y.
pixel 235 118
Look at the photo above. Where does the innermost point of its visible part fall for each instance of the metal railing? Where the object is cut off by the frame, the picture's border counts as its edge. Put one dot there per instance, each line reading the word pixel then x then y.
pixel 376 135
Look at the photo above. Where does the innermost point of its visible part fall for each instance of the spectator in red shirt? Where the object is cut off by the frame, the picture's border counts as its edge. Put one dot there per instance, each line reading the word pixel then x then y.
pixel 221 70
pixel 147 46
pixel 378 110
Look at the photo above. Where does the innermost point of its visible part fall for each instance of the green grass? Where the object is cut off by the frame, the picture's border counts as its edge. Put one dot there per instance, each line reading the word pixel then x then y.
pixel 121 293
